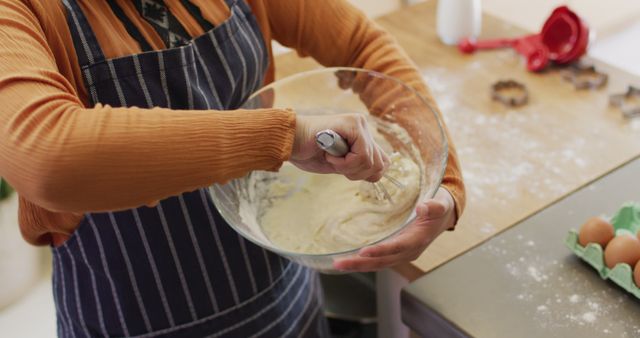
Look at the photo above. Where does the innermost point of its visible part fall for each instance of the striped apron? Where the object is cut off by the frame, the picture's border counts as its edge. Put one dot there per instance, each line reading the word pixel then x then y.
pixel 177 269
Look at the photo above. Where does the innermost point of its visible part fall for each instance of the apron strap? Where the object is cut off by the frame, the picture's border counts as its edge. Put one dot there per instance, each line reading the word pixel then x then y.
pixel 86 44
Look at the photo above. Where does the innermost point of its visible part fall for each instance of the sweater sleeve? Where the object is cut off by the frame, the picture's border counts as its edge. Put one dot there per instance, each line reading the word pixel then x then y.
pixel 337 34
pixel 66 157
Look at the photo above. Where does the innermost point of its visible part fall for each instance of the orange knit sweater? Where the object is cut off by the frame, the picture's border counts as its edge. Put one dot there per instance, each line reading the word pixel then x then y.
pixel 66 158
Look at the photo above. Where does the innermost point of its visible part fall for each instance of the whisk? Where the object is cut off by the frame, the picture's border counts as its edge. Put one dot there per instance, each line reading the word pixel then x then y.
pixel 331 142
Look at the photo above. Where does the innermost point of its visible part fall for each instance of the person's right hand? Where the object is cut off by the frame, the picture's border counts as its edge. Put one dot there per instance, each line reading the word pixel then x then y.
pixel 365 160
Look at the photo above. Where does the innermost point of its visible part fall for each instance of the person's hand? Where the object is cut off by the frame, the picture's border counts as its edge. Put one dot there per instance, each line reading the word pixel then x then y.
pixel 365 160
pixel 433 217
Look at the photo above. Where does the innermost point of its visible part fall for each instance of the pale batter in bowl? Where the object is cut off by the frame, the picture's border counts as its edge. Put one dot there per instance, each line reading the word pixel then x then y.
pixel 316 214
pixel 332 218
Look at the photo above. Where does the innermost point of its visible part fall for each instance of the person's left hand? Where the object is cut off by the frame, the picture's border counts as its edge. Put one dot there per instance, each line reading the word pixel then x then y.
pixel 433 217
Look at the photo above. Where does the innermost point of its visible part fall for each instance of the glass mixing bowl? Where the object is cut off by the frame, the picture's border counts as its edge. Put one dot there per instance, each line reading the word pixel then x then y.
pixel 405 119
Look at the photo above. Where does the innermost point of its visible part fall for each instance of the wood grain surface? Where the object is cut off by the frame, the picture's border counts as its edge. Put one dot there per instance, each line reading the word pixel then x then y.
pixel 515 161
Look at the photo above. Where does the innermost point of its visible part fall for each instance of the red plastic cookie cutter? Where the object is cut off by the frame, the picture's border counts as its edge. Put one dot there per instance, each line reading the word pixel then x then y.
pixel 563 39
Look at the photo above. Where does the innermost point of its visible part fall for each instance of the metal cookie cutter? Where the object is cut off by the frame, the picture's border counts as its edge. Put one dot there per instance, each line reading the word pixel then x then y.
pixel 510 93
pixel 628 103
pixel 585 76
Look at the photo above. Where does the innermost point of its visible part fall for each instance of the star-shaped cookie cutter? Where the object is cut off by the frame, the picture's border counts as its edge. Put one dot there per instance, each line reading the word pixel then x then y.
pixel 510 93
pixel 628 103
pixel 585 76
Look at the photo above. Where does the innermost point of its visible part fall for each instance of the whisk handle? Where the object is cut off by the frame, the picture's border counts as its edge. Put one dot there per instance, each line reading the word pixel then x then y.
pixel 331 142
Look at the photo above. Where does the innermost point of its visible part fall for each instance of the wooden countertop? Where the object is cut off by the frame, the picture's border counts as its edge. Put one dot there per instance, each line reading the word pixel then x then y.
pixel 515 161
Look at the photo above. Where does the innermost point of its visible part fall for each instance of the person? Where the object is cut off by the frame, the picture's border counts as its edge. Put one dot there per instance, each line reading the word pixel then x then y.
pixel 117 114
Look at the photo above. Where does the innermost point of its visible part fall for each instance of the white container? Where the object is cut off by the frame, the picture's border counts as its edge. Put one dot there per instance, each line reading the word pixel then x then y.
pixel 21 265
pixel 458 19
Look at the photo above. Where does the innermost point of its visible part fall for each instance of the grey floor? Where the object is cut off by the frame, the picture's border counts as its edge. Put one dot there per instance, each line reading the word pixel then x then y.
pixel 350 304
pixel 346 329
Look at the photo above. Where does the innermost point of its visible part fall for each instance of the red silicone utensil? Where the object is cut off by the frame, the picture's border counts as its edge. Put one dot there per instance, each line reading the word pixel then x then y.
pixel 534 50
pixel 566 36
pixel 563 39
pixel 530 46
pixel 560 33
pixel 468 46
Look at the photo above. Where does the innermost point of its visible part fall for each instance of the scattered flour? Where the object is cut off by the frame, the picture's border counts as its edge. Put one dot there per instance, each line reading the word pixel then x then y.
pixel 554 303
pixel 524 164
pixel 513 269
pixel 562 308
pixel 488 228
pixel 536 274
pixel 589 317
pixel 525 296
pixel 593 306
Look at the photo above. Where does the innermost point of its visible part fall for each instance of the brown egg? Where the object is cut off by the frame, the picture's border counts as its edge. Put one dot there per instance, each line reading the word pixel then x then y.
pixel 596 230
pixel 636 274
pixel 622 249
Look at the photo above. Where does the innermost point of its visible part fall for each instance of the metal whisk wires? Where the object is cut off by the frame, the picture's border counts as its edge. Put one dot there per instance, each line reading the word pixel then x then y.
pixel 331 142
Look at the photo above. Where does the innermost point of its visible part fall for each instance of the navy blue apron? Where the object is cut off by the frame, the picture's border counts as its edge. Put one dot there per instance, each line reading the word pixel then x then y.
pixel 177 269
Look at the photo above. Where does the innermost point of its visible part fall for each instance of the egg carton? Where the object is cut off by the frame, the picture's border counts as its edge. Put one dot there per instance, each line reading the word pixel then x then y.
pixel 625 221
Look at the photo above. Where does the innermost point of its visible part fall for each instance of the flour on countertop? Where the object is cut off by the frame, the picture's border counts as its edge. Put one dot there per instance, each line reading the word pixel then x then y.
pixel 574 298
pixel 488 228
pixel 589 317
pixel 536 274
pixel 523 164
pixel 563 306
